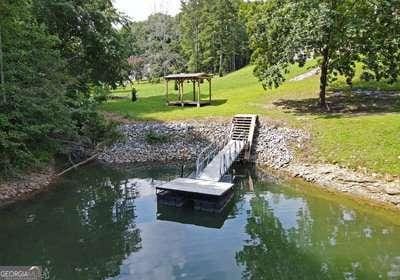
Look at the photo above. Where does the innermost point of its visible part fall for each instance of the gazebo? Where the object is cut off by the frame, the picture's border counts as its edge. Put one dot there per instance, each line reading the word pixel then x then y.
pixel 196 79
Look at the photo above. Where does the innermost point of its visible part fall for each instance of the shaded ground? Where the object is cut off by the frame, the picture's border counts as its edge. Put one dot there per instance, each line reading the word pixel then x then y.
pixel 346 103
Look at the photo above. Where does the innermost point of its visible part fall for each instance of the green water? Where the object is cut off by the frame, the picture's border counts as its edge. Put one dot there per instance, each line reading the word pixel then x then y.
pixel 104 223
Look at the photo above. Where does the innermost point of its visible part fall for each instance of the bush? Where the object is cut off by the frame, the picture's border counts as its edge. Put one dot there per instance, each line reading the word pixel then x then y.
pixel 133 96
pixel 101 93
pixel 156 138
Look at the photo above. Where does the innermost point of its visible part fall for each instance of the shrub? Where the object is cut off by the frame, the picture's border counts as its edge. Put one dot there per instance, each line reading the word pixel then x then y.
pixel 156 138
pixel 133 96
pixel 101 93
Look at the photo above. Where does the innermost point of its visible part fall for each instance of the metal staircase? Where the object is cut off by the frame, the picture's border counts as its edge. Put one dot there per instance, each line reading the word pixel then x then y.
pixel 243 127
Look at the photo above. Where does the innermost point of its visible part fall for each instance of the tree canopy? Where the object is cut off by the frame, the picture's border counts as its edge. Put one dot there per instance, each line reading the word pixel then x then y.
pixel 154 46
pixel 88 38
pixel 338 33
pixel 214 37
pixel 51 53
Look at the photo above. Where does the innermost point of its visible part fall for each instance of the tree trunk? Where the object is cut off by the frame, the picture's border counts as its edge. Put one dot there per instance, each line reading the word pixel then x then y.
pixel 220 72
pixel 324 78
pixel 196 49
pixel 2 89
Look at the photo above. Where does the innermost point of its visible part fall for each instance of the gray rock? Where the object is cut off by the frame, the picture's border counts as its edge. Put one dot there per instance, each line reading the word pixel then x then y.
pixel 272 145
pixel 392 189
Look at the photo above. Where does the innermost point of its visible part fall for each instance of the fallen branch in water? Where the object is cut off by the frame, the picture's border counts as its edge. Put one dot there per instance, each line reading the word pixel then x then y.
pixel 77 165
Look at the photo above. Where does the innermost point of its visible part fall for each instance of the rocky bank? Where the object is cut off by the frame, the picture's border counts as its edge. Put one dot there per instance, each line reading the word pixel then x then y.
pixel 274 146
pixel 26 187
pixel 182 141
pixel 347 181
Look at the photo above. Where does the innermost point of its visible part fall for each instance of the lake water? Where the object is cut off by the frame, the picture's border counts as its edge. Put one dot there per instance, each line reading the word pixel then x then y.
pixel 104 223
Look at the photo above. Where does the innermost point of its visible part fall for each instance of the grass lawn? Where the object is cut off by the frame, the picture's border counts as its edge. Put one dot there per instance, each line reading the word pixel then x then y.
pixel 359 132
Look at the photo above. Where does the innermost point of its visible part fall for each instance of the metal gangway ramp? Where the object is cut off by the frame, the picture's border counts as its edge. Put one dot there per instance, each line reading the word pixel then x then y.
pixel 215 160
pixel 239 142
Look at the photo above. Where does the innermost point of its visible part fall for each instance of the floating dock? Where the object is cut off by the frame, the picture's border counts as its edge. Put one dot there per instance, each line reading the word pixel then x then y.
pixel 205 188
pixel 197 186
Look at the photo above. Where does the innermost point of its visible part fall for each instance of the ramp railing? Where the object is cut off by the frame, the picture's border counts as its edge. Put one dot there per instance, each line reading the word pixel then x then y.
pixel 208 154
pixel 234 149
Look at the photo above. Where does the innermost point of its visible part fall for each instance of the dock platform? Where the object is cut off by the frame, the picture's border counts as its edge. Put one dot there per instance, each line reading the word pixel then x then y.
pixel 204 187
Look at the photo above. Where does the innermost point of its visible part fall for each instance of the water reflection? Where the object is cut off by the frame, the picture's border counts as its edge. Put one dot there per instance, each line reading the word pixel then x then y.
pixel 295 236
pixel 187 215
pixel 75 232
pixel 104 223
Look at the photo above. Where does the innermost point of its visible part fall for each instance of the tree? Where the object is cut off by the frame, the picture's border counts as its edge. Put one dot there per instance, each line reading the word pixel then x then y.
pixel 42 112
pixel 136 64
pixel 382 29
pixel 163 50
pixel 88 39
pixel 154 46
pixel 33 106
pixel 134 38
pixel 214 37
pixel 190 30
pixel 2 81
pixel 338 33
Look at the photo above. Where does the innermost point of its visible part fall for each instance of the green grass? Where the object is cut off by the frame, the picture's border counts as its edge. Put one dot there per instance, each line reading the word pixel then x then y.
pixel 238 92
pixel 360 133
pixel 371 142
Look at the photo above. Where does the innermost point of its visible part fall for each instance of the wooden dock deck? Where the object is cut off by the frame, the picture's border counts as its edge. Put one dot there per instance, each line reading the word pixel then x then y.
pixel 187 185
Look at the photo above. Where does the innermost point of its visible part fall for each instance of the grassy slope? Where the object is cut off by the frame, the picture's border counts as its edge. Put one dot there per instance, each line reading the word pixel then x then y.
pixel 238 92
pixel 369 140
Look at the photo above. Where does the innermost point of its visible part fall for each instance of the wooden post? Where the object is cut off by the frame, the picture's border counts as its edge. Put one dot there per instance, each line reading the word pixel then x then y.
pixel 194 90
pixel 209 90
pixel 166 90
pixel 198 93
pixel 182 93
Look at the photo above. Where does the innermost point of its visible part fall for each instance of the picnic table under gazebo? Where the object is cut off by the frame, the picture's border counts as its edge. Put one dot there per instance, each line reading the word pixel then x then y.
pixel 195 79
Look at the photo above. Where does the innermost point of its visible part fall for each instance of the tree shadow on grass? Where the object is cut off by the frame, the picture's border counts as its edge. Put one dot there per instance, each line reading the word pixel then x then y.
pixel 216 102
pixel 345 104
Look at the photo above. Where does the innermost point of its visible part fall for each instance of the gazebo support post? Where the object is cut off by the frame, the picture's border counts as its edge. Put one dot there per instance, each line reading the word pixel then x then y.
pixel 198 94
pixel 194 90
pixel 193 78
pixel 182 104
pixel 209 90
pixel 166 91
